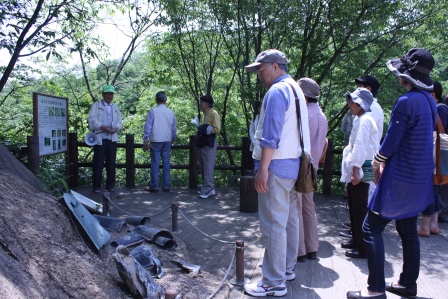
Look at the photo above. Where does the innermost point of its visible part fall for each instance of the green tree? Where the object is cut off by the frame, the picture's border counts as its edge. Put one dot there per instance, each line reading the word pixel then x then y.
pixel 28 27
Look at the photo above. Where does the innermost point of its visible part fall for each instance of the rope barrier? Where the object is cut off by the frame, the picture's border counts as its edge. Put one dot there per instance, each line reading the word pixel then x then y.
pixel 157 214
pixel 213 238
pixel 224 279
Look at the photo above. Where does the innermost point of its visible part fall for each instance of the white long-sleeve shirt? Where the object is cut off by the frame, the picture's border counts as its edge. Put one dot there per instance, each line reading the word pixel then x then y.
pixel 362 146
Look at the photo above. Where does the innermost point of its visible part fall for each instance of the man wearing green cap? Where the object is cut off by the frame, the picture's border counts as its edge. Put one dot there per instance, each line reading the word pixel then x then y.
pixel 105 120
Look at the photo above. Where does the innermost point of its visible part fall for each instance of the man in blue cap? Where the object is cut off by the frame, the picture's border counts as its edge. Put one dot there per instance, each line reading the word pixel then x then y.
pixel 105 120
pixel 277 154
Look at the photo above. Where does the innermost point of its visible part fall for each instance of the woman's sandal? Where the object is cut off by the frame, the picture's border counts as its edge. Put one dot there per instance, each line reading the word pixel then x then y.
pixel 401 291
pixel 357 295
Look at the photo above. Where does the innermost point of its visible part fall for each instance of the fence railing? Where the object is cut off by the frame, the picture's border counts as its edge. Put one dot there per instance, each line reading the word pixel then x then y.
pixel 72 162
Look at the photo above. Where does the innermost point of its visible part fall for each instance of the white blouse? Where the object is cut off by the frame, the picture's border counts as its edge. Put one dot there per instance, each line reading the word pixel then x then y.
pixel 363 144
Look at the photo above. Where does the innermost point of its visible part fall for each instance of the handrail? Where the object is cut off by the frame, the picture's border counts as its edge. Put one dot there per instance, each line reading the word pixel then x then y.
pixel 130 165
pixel 73 163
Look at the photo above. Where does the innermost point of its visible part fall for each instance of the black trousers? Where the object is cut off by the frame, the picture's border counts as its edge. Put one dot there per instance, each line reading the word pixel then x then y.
pixel 357 205
pixel 105 154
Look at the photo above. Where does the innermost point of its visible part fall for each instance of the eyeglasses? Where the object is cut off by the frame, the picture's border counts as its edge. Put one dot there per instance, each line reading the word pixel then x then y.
pixel 261 70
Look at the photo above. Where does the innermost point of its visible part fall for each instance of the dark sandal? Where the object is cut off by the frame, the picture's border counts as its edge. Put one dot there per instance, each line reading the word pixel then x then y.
pixel 357 295
pixel 401 291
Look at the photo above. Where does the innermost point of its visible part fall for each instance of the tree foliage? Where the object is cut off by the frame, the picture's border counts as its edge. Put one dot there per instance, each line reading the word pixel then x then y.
pixel 30 27
pixel 196 47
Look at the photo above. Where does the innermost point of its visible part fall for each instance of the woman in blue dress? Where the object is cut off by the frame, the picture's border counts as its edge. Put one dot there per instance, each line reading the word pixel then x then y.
pixel 403 169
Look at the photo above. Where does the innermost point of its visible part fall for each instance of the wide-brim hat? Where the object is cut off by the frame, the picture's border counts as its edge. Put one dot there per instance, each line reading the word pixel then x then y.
pixel 268 56
pixel 309 87
pixel 361 96
pixel 415 67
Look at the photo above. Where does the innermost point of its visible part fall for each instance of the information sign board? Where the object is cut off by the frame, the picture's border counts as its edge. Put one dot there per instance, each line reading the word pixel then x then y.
pixel 50 123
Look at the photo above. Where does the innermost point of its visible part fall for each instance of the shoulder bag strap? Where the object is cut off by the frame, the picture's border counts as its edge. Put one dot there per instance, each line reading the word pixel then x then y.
pixel 298 115
pixel 429 102
pixel 439 129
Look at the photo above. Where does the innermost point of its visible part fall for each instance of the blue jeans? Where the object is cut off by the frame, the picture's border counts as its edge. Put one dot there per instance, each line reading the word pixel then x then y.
pixel 435 206
pixel 373 228
pixel 157 150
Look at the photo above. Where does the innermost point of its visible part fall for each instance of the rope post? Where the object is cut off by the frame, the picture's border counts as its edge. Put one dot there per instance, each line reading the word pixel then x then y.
pixel 170 294
pixel 106 196
pixel 174 217
pixel 240 280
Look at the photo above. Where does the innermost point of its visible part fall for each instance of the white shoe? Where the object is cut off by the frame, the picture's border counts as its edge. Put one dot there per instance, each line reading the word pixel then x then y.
pixel 209 193
pixel 290 276
pixel 260 290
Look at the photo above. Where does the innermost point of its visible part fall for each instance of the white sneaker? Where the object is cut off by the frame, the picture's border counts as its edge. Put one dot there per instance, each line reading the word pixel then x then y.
pixel 290 276
pixel 213 191
pixel 209 193
pixel 260 290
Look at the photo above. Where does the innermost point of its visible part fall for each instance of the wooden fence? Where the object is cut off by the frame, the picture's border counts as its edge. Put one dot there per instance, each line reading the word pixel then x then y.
pixel 73 163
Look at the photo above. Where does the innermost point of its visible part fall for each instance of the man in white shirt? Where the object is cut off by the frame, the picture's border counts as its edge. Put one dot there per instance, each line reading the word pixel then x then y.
pixel 106 121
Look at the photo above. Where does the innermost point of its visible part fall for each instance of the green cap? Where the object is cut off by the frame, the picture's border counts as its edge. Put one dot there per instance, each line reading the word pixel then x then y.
pixel 108 88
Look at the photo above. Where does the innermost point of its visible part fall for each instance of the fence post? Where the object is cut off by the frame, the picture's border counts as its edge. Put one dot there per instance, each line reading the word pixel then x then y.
pixel 170 294
pixel 174 216
pixel 106 197
pixel 130 161
pixel 33 154
pixel 72 160
pixel 239 256
pixel 328 168
pixel 247 162
pixel 193 164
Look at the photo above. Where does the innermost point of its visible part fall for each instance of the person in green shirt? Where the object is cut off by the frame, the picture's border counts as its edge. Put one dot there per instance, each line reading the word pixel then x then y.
pixel 211 126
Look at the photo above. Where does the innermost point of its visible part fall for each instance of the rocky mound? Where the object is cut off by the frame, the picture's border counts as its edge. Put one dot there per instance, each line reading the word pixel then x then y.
pixel 43 255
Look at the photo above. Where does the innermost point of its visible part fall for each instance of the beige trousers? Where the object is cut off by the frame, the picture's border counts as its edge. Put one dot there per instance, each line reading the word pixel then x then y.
pixel 308 237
